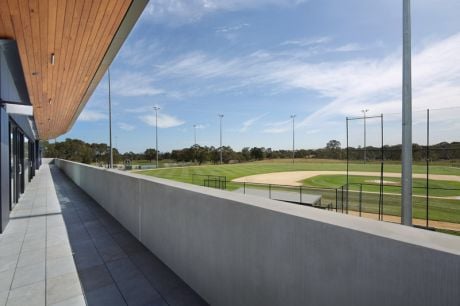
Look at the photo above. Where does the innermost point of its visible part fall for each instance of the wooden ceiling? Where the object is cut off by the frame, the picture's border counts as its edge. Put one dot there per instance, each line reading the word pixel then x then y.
pixel 79 33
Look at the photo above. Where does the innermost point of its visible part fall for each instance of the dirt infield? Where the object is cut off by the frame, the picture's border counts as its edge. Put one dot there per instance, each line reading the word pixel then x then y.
pixel 418 222
pixel 294 178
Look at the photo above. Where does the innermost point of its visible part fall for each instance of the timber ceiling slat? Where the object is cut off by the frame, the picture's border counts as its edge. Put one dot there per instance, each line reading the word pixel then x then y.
pixel 51 48
pixel 23 33
pixel 94 41
pixel 60 54
pixel 42 14
pixel 98 41
pixel 78 33
pixel 78 45
pixel 110 14
pixel 35 27
pixel 64 58
pixel 87 45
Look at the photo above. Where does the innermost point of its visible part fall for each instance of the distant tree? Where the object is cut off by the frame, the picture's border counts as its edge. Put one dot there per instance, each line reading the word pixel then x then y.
pixel 333 145
pixel 150 154
pixel 257 153
pixel 246 154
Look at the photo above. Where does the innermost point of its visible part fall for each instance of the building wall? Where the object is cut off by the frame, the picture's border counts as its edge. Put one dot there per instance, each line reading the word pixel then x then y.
pixel 4 170
pixel 242 250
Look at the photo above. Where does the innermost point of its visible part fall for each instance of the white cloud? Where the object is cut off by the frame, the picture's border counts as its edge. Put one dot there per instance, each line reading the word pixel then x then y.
pixel 90 115
pixel 164 121
pixel 250 122
pixel 305 42
pixel 126 126
pixel 134 84
pixel 347 85
pixel 232 28
pixel 141 52
pixel 176 12
pixel 200 126
pixel 351 47
pixel 278 127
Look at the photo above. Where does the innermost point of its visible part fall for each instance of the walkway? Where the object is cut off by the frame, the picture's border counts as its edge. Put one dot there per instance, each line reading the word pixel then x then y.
pixel 62 248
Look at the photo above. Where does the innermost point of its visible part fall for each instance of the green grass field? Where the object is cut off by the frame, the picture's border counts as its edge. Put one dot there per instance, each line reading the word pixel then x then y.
pixel 440 209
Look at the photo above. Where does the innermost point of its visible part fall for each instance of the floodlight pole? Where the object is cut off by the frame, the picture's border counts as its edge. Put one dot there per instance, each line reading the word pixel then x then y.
pixel 364 111
pixel 406 160
pixel 221 116
pixel 293 138
pixel 194 132
pixel 156 108
pixel 110 122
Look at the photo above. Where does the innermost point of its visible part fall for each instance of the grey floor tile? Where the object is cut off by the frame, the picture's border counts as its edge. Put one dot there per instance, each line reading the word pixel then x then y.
pixel 111 253
pixel 57 251
pixel 15 237
pixel 8 261
pixel 6 278
pixel 87 259
pixel 12 248
pixel 59 266
pixel 138 291
pixel 30 295
pixel 123 269
pixel 161 277
pixel 32 245
pixel 78 300
pixel 183 296
pixel 28 275
pixel 104 296
pixel 31 257
pixel 95 277
pixel 62 288
pixel 3 298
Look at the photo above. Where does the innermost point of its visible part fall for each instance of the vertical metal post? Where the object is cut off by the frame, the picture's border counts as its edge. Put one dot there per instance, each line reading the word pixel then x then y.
pixel 110 122
pixel 427 165
pixel 364 111
pixel 406 209
pixel 300 194
pixel 293 138
pixel 360 198
pixel 156 108
pixel 269 191
pixel 381 167
pixel 342 200
pixel 348 161
pixel 194 133
pixel 336 199
pixel 244 187
pixel 221 116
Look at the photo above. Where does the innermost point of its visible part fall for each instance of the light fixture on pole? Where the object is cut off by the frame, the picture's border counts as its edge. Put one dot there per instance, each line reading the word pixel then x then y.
pixel 406 156
pixel 156 108
pixel 220 149
pixel 364 111
pixel 110 123
pixel 293 138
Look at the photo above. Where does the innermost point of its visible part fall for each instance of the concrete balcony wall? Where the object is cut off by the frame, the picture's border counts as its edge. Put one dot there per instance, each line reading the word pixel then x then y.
pixel 241 250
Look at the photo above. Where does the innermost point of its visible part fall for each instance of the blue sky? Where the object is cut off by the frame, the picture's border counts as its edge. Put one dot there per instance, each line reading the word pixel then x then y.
pixel 259 61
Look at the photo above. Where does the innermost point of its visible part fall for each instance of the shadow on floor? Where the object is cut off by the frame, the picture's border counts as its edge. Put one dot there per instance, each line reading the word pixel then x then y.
pixel 113 266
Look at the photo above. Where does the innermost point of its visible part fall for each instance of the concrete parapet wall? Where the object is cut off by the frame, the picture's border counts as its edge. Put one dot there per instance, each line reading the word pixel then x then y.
pixel 243 250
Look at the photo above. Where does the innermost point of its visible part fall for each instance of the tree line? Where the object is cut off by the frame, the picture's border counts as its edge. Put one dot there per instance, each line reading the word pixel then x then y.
pixel 80 151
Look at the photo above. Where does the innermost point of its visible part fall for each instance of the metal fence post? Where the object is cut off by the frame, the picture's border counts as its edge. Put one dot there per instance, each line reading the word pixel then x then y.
pixel 300 194
pixel 342 199
pixel 336 199
pixel 244 187
pixel 269 191
pixel 360 198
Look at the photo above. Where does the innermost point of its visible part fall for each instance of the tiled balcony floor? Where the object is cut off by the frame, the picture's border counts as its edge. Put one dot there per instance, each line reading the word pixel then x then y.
pixel 62 248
